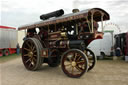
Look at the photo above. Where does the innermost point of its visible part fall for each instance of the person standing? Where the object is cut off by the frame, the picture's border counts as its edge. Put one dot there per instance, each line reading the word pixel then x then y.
pixel 118 51
pixel 18 48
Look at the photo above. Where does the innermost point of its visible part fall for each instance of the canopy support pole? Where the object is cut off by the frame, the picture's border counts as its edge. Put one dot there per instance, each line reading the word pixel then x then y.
pixel 88 24
pixel 102 22
pixel 92 20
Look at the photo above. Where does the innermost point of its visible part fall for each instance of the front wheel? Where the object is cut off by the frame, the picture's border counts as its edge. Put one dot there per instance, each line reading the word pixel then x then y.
pixel 31 54
pixel 74 63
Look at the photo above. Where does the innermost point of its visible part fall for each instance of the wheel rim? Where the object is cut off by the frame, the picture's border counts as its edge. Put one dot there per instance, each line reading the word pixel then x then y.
pixel 91 58
pixel 30 54
pixel 74 64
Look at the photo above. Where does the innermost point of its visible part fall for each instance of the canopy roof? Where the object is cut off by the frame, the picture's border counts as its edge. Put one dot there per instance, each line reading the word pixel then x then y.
pixel 69 17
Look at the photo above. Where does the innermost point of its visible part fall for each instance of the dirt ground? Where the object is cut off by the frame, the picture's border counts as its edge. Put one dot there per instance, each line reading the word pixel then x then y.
pixel 106 72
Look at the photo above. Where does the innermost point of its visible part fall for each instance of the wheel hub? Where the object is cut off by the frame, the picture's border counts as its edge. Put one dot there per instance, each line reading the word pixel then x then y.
pixel 30 54
pixel 73 63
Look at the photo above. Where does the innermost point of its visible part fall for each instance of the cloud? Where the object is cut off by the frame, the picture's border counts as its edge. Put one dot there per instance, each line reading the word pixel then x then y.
pixel 116 8
pixel 0 12
pixel 30 6
pixel 15 13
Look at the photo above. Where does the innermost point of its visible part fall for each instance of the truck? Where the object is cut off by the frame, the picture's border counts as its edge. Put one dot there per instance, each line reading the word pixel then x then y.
pixel 8 40
pixel 102 47
pixel 121 41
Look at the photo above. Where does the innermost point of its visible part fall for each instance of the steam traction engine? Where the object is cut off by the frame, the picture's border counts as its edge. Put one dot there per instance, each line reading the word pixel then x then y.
pixel 62 39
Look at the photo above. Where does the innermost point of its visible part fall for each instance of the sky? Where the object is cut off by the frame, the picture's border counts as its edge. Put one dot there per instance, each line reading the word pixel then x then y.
pixel 16 13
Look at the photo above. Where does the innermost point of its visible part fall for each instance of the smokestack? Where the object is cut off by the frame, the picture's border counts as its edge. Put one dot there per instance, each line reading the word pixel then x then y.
pixel 52 14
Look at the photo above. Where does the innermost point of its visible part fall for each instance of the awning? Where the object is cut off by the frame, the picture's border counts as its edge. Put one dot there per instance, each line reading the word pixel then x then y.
pixel 97 14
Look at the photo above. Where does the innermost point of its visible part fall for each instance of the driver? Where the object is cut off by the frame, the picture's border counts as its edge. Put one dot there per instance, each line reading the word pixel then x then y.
pixel 87 26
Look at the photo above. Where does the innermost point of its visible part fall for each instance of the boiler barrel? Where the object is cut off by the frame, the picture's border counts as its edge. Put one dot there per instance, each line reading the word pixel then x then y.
pixel 52 14
pixel 77 44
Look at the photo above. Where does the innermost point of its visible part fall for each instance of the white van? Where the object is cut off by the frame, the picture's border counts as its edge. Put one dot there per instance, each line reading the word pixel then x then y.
pixel 102 47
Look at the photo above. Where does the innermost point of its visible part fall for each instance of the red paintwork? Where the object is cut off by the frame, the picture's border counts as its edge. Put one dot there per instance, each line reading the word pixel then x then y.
pixel 6 27
pixel 1 54
pixel 12 50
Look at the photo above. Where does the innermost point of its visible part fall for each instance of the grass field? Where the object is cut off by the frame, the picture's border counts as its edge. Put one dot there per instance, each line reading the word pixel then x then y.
pixel 9 57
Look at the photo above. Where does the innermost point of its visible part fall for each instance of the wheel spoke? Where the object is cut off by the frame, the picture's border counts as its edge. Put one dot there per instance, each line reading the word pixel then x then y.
pixel 34 51
pixel 34 59
pixel 81 62
pixel 32 45
pixel 70 59
pixel 91 61
pixel 89 56
pixel 78 58
pixel 28 60
pixel 75 56
pixel 27 49
pixel 33 48
pixel 90 64
pixel 28 45
pixel 68 65
pixel 26 55
pixel 30 65
pixel 72 69
pixel 33 63
pixel 79 69
pixel 34 55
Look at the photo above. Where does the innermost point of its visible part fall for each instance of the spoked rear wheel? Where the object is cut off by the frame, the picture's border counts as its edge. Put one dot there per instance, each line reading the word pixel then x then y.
pixel 31 54
pixel 91 58
pixel 74 63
